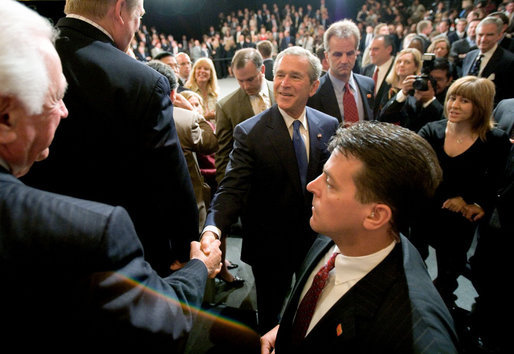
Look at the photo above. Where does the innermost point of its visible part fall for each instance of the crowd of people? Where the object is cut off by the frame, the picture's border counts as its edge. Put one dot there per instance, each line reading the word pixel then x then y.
pixel 349 147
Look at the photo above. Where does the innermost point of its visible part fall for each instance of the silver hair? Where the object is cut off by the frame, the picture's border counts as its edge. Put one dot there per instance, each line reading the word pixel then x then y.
pixel 342 29
pixel 492 20
pixel 314 62
pixel 24 74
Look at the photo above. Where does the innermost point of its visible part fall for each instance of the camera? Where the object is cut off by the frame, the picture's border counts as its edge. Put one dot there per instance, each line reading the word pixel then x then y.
pixel 421 81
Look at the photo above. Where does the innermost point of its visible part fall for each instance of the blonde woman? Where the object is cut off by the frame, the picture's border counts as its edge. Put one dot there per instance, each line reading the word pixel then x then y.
pixel 440 46
pixel 203 80
pixel 472 154
pixel 407 62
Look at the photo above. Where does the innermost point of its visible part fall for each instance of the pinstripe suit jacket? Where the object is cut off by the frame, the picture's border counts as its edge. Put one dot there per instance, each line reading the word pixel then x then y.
pixel 76 280
pixel 393 309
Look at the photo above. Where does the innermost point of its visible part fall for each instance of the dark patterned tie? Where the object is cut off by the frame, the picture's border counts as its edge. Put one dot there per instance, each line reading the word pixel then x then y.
pixel 375 78
pixel 308 305
pixel 351 115
pixel 301 152
pixel 476 66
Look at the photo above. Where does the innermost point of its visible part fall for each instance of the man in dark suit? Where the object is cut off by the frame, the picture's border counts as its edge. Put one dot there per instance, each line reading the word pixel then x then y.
pixel 460 48
pixel 120 147
pixel 264 181
pixel 504 116
pixel 460 30
pixel 78 276
pixel 490 60
pixel 377 296
pixel 341 53
pixel 266 49
pixel 382 60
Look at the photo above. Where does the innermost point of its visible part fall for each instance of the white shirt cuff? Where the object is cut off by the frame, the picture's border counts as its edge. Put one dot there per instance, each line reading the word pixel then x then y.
pixel 214 229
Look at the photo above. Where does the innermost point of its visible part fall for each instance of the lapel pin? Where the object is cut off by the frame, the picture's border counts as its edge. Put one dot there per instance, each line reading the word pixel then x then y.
pixel 368 95
pixel 319 136
pixel 339 330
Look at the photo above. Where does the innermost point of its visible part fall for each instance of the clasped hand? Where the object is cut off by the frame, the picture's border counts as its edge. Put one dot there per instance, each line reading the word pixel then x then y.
pixel 472 212
pixel 209 252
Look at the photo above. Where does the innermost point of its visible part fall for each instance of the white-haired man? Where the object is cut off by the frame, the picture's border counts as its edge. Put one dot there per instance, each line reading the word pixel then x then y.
pixel 77 277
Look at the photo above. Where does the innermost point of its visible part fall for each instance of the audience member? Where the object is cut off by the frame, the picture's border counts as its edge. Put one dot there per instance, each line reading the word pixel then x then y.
pixel 460 48
pixel 184 68
pixel 407 62
pixel 505 41
pixel 169 59
pixel 490 60
pixel 504 116
pixel 342 93
pixel 382 60
pixel 81 260
pixel 203 81
pixel 423 29
pixel 460 31
pixel 472 154
pixel 266 49
pixel 377 294
pixel 196 136
pixel 263 166
pixel 443 74
pixel 121 117
pixel 440 46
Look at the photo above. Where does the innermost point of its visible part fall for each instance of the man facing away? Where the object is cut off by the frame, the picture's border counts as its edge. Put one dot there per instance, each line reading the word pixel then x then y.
pixel 77 277
pixel 371 292
pixel 120 146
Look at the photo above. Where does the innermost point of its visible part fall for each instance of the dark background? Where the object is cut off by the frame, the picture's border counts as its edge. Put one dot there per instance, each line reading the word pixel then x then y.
pixel 193 17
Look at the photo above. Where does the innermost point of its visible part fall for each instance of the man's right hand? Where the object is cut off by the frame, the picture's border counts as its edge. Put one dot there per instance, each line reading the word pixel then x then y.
pixel 212 259
pixel 207 238
pixel 268 341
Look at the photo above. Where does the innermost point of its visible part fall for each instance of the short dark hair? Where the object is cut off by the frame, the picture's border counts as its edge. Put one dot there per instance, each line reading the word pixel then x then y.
pixel 265 48
pixel 163 55
pixel 443 64
pixel 400 168
pixel 165 70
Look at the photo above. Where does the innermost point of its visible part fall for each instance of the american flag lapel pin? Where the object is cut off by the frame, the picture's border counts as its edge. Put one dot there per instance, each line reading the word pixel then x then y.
pixel 339 329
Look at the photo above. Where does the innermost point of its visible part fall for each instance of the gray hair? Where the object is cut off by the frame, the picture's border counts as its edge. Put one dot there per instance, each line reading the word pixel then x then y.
pixel 342 29
pixel 492 20
pixel 166 70
pixel 95 9
pixel 245 55
pixel 24 74
pixel 314 62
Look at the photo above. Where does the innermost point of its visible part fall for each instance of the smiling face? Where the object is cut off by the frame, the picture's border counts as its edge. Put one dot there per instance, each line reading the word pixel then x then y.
pixel 458 108
pixel 487 36
pixel 203 73
pixel 292 86
pixel 406 65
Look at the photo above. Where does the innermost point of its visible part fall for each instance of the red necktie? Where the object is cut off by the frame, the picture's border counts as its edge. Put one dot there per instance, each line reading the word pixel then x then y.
pixel 308 305
pixel 375 78
pixel 351 115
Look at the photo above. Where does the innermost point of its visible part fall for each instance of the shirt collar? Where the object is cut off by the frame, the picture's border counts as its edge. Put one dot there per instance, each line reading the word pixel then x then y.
pixel 339 84
pixel 350 268
pixel 289 120
pixel 490 52
pixel 92 23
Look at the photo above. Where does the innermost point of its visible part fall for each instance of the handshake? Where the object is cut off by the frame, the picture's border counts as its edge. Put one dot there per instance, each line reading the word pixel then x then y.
pixel 209 252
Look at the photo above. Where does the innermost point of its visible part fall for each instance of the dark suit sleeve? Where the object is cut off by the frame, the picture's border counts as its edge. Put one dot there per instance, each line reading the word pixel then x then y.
pixel 135 298
pixel 230 197
pixel 167 191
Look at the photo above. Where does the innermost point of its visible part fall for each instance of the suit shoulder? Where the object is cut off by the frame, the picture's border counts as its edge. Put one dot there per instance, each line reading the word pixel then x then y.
pixel 321 115
pixel 364 79
pixel 230 98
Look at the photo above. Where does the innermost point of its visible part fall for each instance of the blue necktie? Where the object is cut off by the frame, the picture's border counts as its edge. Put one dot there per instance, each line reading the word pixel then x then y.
pixel 301 153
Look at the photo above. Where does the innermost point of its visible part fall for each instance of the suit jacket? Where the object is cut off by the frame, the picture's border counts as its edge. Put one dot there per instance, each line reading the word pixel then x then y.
pixel 119 145
pixel 380 98
pixel 460 46
pixel 410 114
pixel 262 185
pixel 325 100
pixel 504 116
pixel 394 309
pixel 268 65
pixel 196 137
pixel 500 69
pixel 230 111
pixel 78 280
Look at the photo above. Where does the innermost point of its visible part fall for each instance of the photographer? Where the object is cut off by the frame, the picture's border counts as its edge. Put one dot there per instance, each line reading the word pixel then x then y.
pixel 443 74
pixel 415 104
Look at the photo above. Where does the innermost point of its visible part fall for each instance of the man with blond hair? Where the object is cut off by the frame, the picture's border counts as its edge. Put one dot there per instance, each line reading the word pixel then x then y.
pixel 120 146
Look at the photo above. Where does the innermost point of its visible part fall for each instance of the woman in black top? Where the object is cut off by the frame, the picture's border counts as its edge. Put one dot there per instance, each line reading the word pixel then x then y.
pixel 472 154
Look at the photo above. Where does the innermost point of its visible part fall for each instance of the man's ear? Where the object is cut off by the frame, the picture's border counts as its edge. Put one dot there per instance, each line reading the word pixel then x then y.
pixel 378 216
pixel 119 7
pixel 7 133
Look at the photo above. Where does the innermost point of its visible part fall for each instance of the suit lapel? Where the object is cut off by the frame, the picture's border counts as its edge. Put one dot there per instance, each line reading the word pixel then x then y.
pixel 466 67
pixel 493 63
pixel 365 100
pixel 283 145
pixel 315 147
pixel 328 97
pixel 244 107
